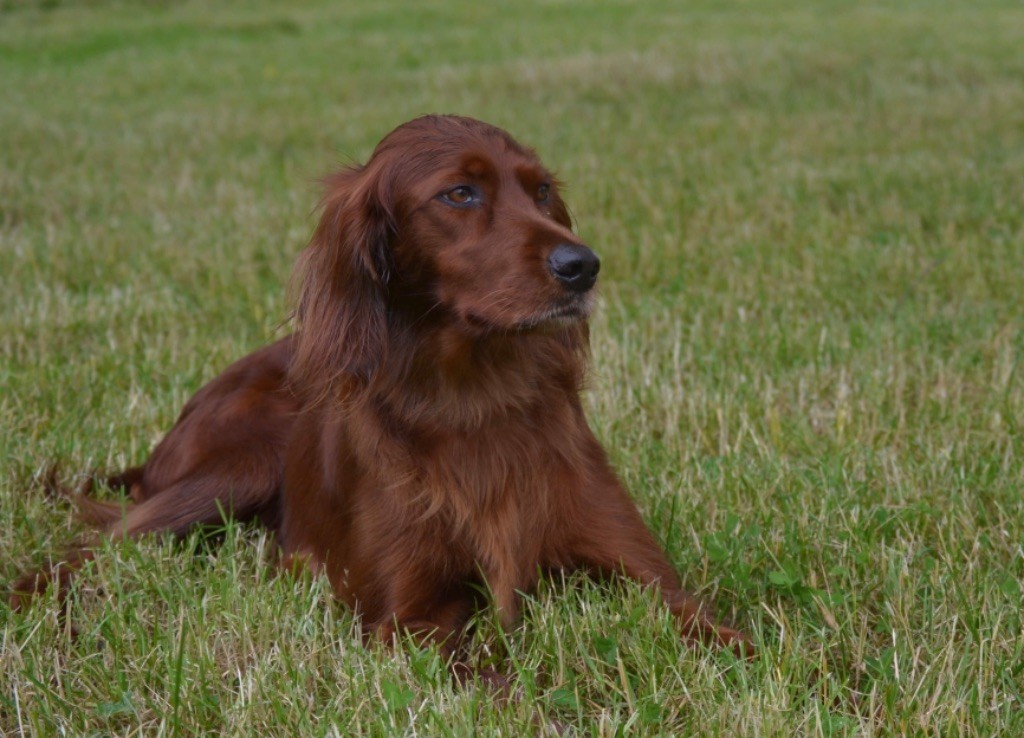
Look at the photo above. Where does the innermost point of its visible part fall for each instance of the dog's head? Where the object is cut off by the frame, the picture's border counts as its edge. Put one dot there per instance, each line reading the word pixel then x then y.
pixel 450 220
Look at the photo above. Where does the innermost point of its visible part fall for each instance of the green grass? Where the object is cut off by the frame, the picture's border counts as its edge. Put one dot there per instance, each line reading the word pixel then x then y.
pixel 806 366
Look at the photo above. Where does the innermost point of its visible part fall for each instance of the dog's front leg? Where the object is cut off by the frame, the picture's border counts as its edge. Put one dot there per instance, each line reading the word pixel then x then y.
pixel 610 537
pixel 440 623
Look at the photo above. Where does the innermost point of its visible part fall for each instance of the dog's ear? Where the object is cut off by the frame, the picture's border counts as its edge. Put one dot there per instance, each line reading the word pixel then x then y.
pixel 342 277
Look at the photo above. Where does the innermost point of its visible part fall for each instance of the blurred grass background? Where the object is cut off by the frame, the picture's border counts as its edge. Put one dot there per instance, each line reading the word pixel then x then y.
pixel 806 366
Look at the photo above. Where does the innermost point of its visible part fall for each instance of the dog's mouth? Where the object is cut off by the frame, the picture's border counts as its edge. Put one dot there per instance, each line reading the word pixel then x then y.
pixel 564 313
pixel 574 309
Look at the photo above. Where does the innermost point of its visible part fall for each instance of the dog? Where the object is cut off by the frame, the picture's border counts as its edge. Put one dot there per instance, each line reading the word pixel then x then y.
pixel 419 440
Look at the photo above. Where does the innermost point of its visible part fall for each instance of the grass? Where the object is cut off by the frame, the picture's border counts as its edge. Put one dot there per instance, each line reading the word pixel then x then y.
pixel 806 366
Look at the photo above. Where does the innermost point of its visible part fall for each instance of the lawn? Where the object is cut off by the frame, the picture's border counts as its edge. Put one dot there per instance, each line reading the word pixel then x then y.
pixel 806 364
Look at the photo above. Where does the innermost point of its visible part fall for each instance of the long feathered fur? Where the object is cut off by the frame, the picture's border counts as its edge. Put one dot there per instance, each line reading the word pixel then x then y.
pixel 420 438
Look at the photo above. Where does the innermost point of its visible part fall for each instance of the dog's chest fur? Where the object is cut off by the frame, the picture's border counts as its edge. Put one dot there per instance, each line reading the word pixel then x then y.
pixel 483 499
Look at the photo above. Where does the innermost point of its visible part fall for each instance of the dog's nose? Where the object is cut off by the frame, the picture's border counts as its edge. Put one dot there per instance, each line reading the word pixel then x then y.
pixel 575 266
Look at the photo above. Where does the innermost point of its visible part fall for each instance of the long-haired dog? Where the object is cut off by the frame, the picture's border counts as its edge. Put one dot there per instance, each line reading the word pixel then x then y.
pixel 420 438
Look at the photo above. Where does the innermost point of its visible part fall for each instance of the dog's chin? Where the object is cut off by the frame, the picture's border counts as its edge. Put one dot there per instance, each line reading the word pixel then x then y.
pixel 560 316
pixel 552 323
pixel 556 318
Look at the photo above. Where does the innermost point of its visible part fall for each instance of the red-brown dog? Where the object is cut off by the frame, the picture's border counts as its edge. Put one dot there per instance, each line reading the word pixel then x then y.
pixel 420 437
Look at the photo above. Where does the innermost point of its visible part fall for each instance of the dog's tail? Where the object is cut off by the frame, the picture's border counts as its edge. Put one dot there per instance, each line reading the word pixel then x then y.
pixel 58 572
pixel 200 499
pixel 93 511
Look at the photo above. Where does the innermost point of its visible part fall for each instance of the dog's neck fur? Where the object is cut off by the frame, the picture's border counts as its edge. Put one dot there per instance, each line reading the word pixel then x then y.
pixel 447 378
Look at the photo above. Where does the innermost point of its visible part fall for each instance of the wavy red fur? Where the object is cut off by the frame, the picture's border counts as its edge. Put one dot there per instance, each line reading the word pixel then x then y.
pixel 420 438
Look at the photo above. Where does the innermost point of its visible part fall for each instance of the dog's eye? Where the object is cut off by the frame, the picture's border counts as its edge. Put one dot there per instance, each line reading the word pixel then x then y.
pixel 461 195
pixel 542 192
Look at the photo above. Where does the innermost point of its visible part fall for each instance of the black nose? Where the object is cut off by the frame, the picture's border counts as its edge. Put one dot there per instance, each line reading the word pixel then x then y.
pixel 574 266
